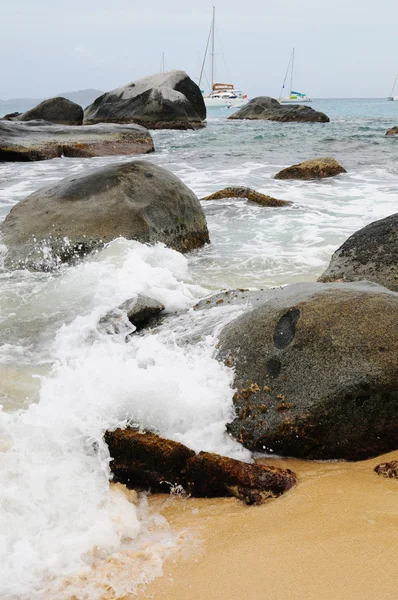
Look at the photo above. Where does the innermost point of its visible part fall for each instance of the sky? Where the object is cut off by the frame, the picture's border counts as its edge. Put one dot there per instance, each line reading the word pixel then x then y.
pixel 344 48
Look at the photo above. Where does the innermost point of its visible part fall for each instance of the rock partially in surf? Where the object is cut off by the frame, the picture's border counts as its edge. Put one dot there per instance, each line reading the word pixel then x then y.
pixel 55 110
pixel 10 116
pixel 140 312
pixel 135 200
pixel 147 460
pixel 392 131
pixel 36 140
pixel 317 168
pixel 388 469
pixel 370 253
pixel 316 371
pixel 163 101
pixel 213 476
pixel 265 108
pixel 249 194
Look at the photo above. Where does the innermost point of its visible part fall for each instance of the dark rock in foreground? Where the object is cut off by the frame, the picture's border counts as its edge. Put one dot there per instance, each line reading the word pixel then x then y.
pixel 265 108
pixel 317 168
pixel 36 140
pixel 55 110
pixel 370 253
pixel 135 200
pixel 392 131
pixel 140 312
pixel 163 101
pixel 244 192
pixel 316 371
pixel 147 460
pixel 388 469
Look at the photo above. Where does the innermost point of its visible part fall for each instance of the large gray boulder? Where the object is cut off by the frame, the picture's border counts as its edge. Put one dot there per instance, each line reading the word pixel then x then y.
pixel 163 101
pixel 265 108
pixel 316 371
pixel 39 140
pixel 135 200
pixel 55 110
pixel 370 253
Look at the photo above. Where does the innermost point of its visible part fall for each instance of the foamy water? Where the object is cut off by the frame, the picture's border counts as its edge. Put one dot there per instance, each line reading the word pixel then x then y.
pixel 65 380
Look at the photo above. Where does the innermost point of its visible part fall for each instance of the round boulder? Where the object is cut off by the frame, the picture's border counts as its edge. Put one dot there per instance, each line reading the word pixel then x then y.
pixel 55 110
pixel 370 253
pixel 317 168
pixel 135 200
pixel 316 371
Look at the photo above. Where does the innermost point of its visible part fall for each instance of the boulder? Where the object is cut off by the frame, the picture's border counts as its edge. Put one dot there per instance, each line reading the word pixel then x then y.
pixel 388 469
pixel 316 371
pixel 147 460
pixel 140 312
pixel 55 110
pixel 37 140
pixel 264 108
pixel 135 200
pixel 10 116
pixel 249 194
pixel 317 168
pixel 370 253
pixel 163 101
pixel 392 131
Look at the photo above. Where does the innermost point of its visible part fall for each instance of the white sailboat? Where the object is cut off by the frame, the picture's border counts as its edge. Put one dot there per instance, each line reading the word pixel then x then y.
pixel 292 97
pixel 221 94
pixel 391 96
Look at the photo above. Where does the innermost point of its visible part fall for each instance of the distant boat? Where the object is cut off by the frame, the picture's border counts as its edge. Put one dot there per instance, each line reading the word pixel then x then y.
pixel 391 96
pixel 292 97
pixel 221 94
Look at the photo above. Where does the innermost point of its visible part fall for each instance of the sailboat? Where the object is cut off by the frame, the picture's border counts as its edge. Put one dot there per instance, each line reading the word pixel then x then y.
pixel 391 96
pixel 292 96
pixel 221 94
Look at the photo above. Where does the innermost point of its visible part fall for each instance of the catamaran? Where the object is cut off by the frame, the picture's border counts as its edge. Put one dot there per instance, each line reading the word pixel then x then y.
pixel 292 96
pixel 391 96
pixel 221 94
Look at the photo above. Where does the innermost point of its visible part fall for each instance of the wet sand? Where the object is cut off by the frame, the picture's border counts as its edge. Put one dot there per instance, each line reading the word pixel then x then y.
pixel 334 536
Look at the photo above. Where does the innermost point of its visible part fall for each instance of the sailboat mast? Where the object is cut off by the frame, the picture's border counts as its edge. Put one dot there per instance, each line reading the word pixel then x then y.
pixel 291 73
pixel 393 87
pixel 162 69
pixel 212 49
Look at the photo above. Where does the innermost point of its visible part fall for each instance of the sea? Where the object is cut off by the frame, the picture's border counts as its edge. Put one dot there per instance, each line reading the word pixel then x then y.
pixel 64 531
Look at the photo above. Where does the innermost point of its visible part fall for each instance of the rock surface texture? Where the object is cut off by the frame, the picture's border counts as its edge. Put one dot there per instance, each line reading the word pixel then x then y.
pixel 163 101
pixel 392 131
pixel 317 168
pixel 55 110
pixel 265 108
pixel 316 371
pixel 36 140
pixel 244 192
pixel 370 253
pixel 147 460
pixel 388 469
pixel 135 200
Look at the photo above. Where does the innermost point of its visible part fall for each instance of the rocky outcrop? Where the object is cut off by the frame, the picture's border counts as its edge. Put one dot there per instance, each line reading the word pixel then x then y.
pixel 316 371
pixel 163 101
pixel 370 253
pixel 140 312
pixel 55 110
pixel 147 460
pixel 392 131
pixel 135 200
pixel 264 108
pixel 249 194
pixel 317 168
pixel 36 140
pixel 388 469
pixel 10 116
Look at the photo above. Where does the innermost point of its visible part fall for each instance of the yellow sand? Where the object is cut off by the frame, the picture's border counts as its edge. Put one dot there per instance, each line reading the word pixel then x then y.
pixel 335 536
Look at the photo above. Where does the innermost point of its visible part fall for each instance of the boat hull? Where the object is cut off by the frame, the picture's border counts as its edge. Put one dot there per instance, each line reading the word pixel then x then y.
pixel 295 101
pixel 225 102
pixel 392 98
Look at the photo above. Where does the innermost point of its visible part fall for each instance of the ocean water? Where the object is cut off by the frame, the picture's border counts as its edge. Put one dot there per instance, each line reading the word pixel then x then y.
pixel 64 532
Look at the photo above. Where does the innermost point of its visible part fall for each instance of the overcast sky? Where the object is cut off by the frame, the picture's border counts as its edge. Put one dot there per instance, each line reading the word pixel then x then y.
pixel 344 48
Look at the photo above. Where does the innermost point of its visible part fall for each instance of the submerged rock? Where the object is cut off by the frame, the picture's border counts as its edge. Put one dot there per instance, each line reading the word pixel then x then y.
pixel 370 253
pixel 316 371
pixel 37 140
pixel 392 131
pixel 244 192
pixel 317 168
pixel 55 110
pixel 163 101
pixel 135 200
pixel 265 108
pixel 147 460
pixel 140 312
pixel 388 469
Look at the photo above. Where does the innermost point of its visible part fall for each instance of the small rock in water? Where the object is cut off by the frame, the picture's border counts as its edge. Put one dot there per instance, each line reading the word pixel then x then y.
pixel 249 194
pixel 140 311
pixel 317 168
pixel 388 469
pixel 265 108
pixel 392 131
